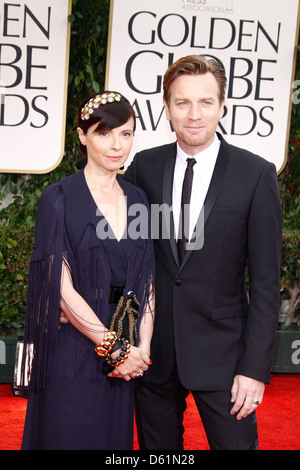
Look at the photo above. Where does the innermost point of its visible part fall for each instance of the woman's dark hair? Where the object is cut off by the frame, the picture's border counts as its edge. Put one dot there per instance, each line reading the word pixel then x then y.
pixel 110 111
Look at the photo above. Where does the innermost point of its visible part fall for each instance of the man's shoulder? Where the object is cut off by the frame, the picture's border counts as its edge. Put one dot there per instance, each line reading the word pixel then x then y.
pixel 157 152
pixel 243 157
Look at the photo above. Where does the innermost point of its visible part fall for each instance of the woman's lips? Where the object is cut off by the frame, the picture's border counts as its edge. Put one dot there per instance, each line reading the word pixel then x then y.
pixel 115 158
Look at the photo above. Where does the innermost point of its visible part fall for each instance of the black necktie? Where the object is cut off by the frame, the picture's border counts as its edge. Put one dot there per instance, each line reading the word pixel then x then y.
pixel 183 232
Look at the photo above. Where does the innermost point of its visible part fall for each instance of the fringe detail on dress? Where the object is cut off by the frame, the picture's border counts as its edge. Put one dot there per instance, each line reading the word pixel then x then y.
pixel 91 273
pixel 43 296
pixel 91 276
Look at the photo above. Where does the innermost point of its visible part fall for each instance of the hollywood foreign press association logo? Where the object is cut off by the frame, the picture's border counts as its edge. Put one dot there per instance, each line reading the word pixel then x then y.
pixel 229 5
pixel 216 6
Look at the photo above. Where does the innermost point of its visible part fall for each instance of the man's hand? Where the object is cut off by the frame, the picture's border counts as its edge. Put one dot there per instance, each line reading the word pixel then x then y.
pixel 246 394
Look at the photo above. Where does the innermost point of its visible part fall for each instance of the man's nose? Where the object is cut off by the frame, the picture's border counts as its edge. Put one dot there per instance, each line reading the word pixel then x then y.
pixel 195 111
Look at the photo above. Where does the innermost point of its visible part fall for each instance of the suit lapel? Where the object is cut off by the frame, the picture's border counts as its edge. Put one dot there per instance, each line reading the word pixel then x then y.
pixel 217 179
pixel 212 193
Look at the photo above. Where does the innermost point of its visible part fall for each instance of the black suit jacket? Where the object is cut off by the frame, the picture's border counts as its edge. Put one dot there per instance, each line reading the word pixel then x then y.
pixel 204 317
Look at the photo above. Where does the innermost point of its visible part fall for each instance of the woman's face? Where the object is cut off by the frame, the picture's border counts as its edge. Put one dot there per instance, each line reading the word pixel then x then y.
pixel 108 149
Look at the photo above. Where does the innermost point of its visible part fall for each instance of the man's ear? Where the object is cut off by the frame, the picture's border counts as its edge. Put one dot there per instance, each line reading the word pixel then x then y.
pixel 167 110
pixel 221 114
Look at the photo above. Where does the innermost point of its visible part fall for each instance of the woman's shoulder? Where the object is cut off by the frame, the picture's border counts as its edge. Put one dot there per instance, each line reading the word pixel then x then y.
pixel 53 196
pixel 54 189
pixel 50 194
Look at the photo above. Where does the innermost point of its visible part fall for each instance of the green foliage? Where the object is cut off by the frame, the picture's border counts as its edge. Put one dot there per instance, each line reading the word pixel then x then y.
pixel 289 182
pixel 15 249
pixel 290 273
pixel 291 258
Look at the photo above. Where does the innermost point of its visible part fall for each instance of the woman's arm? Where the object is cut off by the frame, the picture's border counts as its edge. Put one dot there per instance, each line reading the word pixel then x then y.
pixel 77 310
pixel 82 317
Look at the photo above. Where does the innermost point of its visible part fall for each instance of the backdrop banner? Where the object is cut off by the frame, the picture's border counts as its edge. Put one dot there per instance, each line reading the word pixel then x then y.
pixel 34 58
pixel 254 40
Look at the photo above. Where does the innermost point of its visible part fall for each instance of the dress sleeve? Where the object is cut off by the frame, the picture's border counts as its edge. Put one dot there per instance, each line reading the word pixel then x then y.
pixel 43 294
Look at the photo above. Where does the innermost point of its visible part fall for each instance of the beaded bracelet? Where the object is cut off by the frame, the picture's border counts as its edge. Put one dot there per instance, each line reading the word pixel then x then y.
pixel 105 347
pixel 125 350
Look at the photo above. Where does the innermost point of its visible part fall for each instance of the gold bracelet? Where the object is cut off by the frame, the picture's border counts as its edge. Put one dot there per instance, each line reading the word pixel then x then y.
pixel 109 340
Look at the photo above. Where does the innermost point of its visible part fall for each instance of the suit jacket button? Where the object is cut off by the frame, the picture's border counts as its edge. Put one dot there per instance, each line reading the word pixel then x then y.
pixel 178 282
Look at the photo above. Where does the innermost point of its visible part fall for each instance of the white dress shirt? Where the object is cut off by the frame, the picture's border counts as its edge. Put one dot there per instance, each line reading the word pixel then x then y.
pixel 203 170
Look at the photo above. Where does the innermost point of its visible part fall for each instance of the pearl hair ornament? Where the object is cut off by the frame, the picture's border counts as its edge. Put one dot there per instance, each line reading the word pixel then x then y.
pixel 99 100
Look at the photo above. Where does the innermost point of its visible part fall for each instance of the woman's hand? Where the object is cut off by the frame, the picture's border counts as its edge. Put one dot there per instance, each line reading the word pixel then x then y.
pixel 137 363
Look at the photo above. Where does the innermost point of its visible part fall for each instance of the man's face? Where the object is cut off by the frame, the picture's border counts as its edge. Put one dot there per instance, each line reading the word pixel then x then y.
pixel 194 110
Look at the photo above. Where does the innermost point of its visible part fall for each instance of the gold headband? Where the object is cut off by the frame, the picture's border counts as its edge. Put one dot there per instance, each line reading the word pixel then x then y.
pixel 94 103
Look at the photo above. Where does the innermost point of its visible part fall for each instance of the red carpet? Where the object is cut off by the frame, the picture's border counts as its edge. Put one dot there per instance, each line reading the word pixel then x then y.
pixel 278 418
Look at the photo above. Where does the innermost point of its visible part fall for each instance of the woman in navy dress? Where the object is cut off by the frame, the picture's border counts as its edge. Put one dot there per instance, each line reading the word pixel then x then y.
pixel 91 261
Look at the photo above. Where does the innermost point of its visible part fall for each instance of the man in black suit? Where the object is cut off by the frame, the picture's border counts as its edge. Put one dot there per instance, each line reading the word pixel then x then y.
pixel 210 336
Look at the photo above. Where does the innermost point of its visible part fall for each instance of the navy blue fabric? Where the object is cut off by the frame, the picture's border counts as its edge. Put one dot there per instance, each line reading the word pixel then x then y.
pixel 72 403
